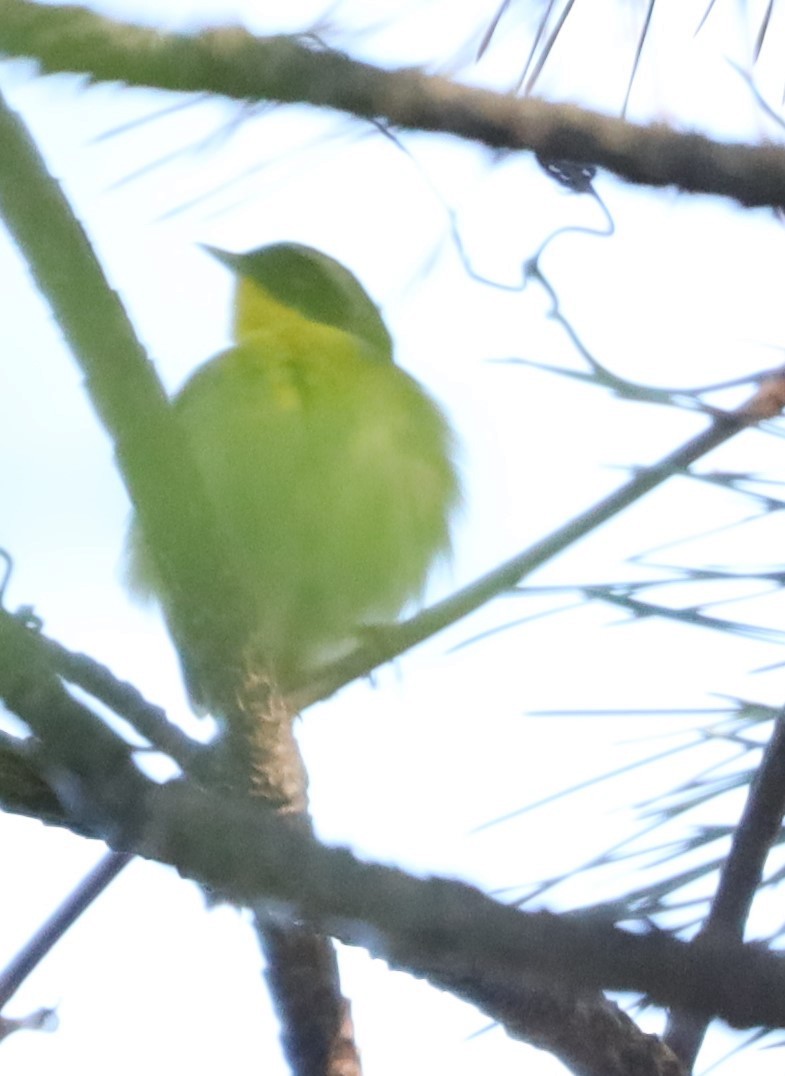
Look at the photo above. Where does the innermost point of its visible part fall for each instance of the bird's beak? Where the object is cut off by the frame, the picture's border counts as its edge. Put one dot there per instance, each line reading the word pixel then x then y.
pixel 225 257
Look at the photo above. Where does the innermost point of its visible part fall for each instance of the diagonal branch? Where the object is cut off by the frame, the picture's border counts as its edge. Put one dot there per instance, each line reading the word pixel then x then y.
pixel 126 701
pixel 247 853
pixel 236 64
pixel 206 611
pixel 740 876
pixel 31 955
pixel 766 402
pixel 126 394
pixel 23 788
pixel 506 961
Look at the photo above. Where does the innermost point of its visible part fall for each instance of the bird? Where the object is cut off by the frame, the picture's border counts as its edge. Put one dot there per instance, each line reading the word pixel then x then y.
pixel 332 480
pixel 330 471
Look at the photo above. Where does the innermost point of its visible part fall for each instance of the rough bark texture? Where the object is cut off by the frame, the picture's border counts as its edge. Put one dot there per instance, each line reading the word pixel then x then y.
pixel 317 1034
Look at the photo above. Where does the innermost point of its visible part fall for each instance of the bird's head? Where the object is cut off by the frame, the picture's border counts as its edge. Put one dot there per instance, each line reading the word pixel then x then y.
pixel 308 281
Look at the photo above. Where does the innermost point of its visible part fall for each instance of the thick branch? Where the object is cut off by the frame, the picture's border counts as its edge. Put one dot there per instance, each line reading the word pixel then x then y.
pixel 126 394
pixel 418 925
pixel 236 64
pixel 432 928
pixel 23 789
pixel 588 1033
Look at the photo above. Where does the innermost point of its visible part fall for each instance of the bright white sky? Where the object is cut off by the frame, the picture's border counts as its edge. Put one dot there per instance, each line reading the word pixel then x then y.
pixel 406 768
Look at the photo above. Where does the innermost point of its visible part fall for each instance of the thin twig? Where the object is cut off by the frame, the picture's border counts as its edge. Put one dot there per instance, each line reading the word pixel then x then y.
pixel 391 642
pixel 34 951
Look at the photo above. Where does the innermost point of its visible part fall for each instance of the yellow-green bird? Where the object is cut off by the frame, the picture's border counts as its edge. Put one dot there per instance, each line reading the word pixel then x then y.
pixel 330 470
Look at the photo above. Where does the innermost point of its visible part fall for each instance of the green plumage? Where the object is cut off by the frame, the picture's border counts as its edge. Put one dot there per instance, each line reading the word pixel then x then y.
pixel 329 469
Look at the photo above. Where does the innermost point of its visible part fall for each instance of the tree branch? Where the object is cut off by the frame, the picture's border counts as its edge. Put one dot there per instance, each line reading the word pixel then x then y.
pixel 31 955
pixel 205 608
pixel 236 64
pixel 765 403
pixel 434 928
pixel 740 876
pixel 151 450
pixel 23 789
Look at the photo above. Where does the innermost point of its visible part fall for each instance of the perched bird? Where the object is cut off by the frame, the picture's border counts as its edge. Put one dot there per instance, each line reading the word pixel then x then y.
pixel 330 470
pixel 331 477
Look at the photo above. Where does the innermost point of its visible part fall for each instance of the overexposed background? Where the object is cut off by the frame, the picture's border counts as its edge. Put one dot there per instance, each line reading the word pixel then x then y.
pixel 412 767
